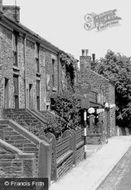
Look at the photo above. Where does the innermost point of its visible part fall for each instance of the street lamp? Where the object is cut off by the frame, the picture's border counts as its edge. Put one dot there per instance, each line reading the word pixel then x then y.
pixel 91 110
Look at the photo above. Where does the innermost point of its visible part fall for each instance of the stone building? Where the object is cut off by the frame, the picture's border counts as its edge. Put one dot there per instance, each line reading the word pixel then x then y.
pixel 31 69
pixel 100 94
pixel 30 66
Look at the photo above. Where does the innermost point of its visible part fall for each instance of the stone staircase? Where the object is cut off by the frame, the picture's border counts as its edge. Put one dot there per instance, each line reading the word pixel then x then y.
pixel 26 119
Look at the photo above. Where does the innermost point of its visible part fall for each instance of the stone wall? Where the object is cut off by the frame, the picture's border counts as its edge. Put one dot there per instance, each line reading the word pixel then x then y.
pixel 14 163
pixel 26 70
pixel 15 138
pixel 14 135
pixel 6 61
pixel 112 116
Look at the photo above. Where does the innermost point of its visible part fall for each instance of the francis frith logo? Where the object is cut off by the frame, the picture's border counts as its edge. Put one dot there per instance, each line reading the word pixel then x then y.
pixel 101 21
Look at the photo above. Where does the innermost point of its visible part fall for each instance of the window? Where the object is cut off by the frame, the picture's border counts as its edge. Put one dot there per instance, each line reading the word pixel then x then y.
pixel 38 94
pixel 15 48
pixel 16 90
pixel 53 73
pixel 93 96
pixel 6 93
pixel 48 106
pixel 30 96
pixel 37 58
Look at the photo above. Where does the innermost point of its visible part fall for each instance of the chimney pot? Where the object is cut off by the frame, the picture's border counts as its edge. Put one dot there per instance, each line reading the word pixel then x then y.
pixel 87 52
pixel 83 52
pixel 93 57
pixel 85 60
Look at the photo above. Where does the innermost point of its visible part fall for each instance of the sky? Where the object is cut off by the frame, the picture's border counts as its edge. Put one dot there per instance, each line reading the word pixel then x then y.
pixel 61 22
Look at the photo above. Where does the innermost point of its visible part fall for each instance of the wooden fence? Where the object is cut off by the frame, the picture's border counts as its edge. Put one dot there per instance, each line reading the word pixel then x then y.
pixel 66 152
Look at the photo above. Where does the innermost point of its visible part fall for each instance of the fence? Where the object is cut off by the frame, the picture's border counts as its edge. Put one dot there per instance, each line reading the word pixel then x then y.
pixel 66 152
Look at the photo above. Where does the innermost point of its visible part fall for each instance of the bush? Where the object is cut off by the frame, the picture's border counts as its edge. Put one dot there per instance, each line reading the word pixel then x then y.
pixel 67 106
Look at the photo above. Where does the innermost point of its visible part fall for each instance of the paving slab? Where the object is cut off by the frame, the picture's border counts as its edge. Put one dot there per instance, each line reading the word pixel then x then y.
pixel 89 174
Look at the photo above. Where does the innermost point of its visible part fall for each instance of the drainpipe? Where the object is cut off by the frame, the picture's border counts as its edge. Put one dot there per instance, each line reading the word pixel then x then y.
pixel 25 67
pixel 58 69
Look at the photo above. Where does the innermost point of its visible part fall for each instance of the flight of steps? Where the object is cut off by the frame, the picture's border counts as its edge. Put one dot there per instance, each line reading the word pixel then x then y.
pixel 25 119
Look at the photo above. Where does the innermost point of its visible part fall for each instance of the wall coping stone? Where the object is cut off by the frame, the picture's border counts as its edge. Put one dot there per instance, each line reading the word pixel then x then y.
pixel 25 132
pixel 15 150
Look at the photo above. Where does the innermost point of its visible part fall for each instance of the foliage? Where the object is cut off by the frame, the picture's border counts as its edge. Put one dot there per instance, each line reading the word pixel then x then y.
pixel 55 124
pixel 68 61
pixel 67 106
pixel 117 68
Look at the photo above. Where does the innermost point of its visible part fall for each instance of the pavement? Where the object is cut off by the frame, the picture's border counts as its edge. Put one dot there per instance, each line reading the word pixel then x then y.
pixel 100 161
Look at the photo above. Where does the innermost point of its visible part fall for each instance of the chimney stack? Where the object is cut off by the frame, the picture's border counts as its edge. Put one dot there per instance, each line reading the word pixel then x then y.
pixel 12 12
pixel 1 5
pixel 85 60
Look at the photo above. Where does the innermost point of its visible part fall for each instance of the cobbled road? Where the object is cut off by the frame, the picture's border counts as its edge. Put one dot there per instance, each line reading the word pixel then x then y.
pixel 120 176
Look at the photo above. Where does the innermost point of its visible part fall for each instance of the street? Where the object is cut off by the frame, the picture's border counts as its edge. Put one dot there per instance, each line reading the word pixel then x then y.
pixel 120 177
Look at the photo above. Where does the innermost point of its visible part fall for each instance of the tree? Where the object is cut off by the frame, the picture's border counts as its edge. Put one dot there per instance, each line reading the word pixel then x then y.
pixel 117 68
pixel 67 105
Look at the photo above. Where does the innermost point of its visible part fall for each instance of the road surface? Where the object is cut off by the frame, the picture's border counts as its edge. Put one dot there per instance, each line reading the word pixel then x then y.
pixel 120 177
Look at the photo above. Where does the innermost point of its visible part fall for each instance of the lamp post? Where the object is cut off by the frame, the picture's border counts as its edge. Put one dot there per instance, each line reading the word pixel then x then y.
pixel 85 132
pixel 107 108
pixel 83 89
pixel 85 106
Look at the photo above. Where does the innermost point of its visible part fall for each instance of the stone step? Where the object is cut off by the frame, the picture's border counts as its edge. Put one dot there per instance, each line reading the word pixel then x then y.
pixel 25 119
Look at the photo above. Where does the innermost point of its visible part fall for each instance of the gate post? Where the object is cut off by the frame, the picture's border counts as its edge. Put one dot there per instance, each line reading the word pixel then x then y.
pixel 44 162
pixel 52 138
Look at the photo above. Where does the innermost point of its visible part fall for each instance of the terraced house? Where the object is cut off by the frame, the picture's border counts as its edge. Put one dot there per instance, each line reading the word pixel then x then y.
pixel 29 64
pixel 30 70
pixel 101 96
